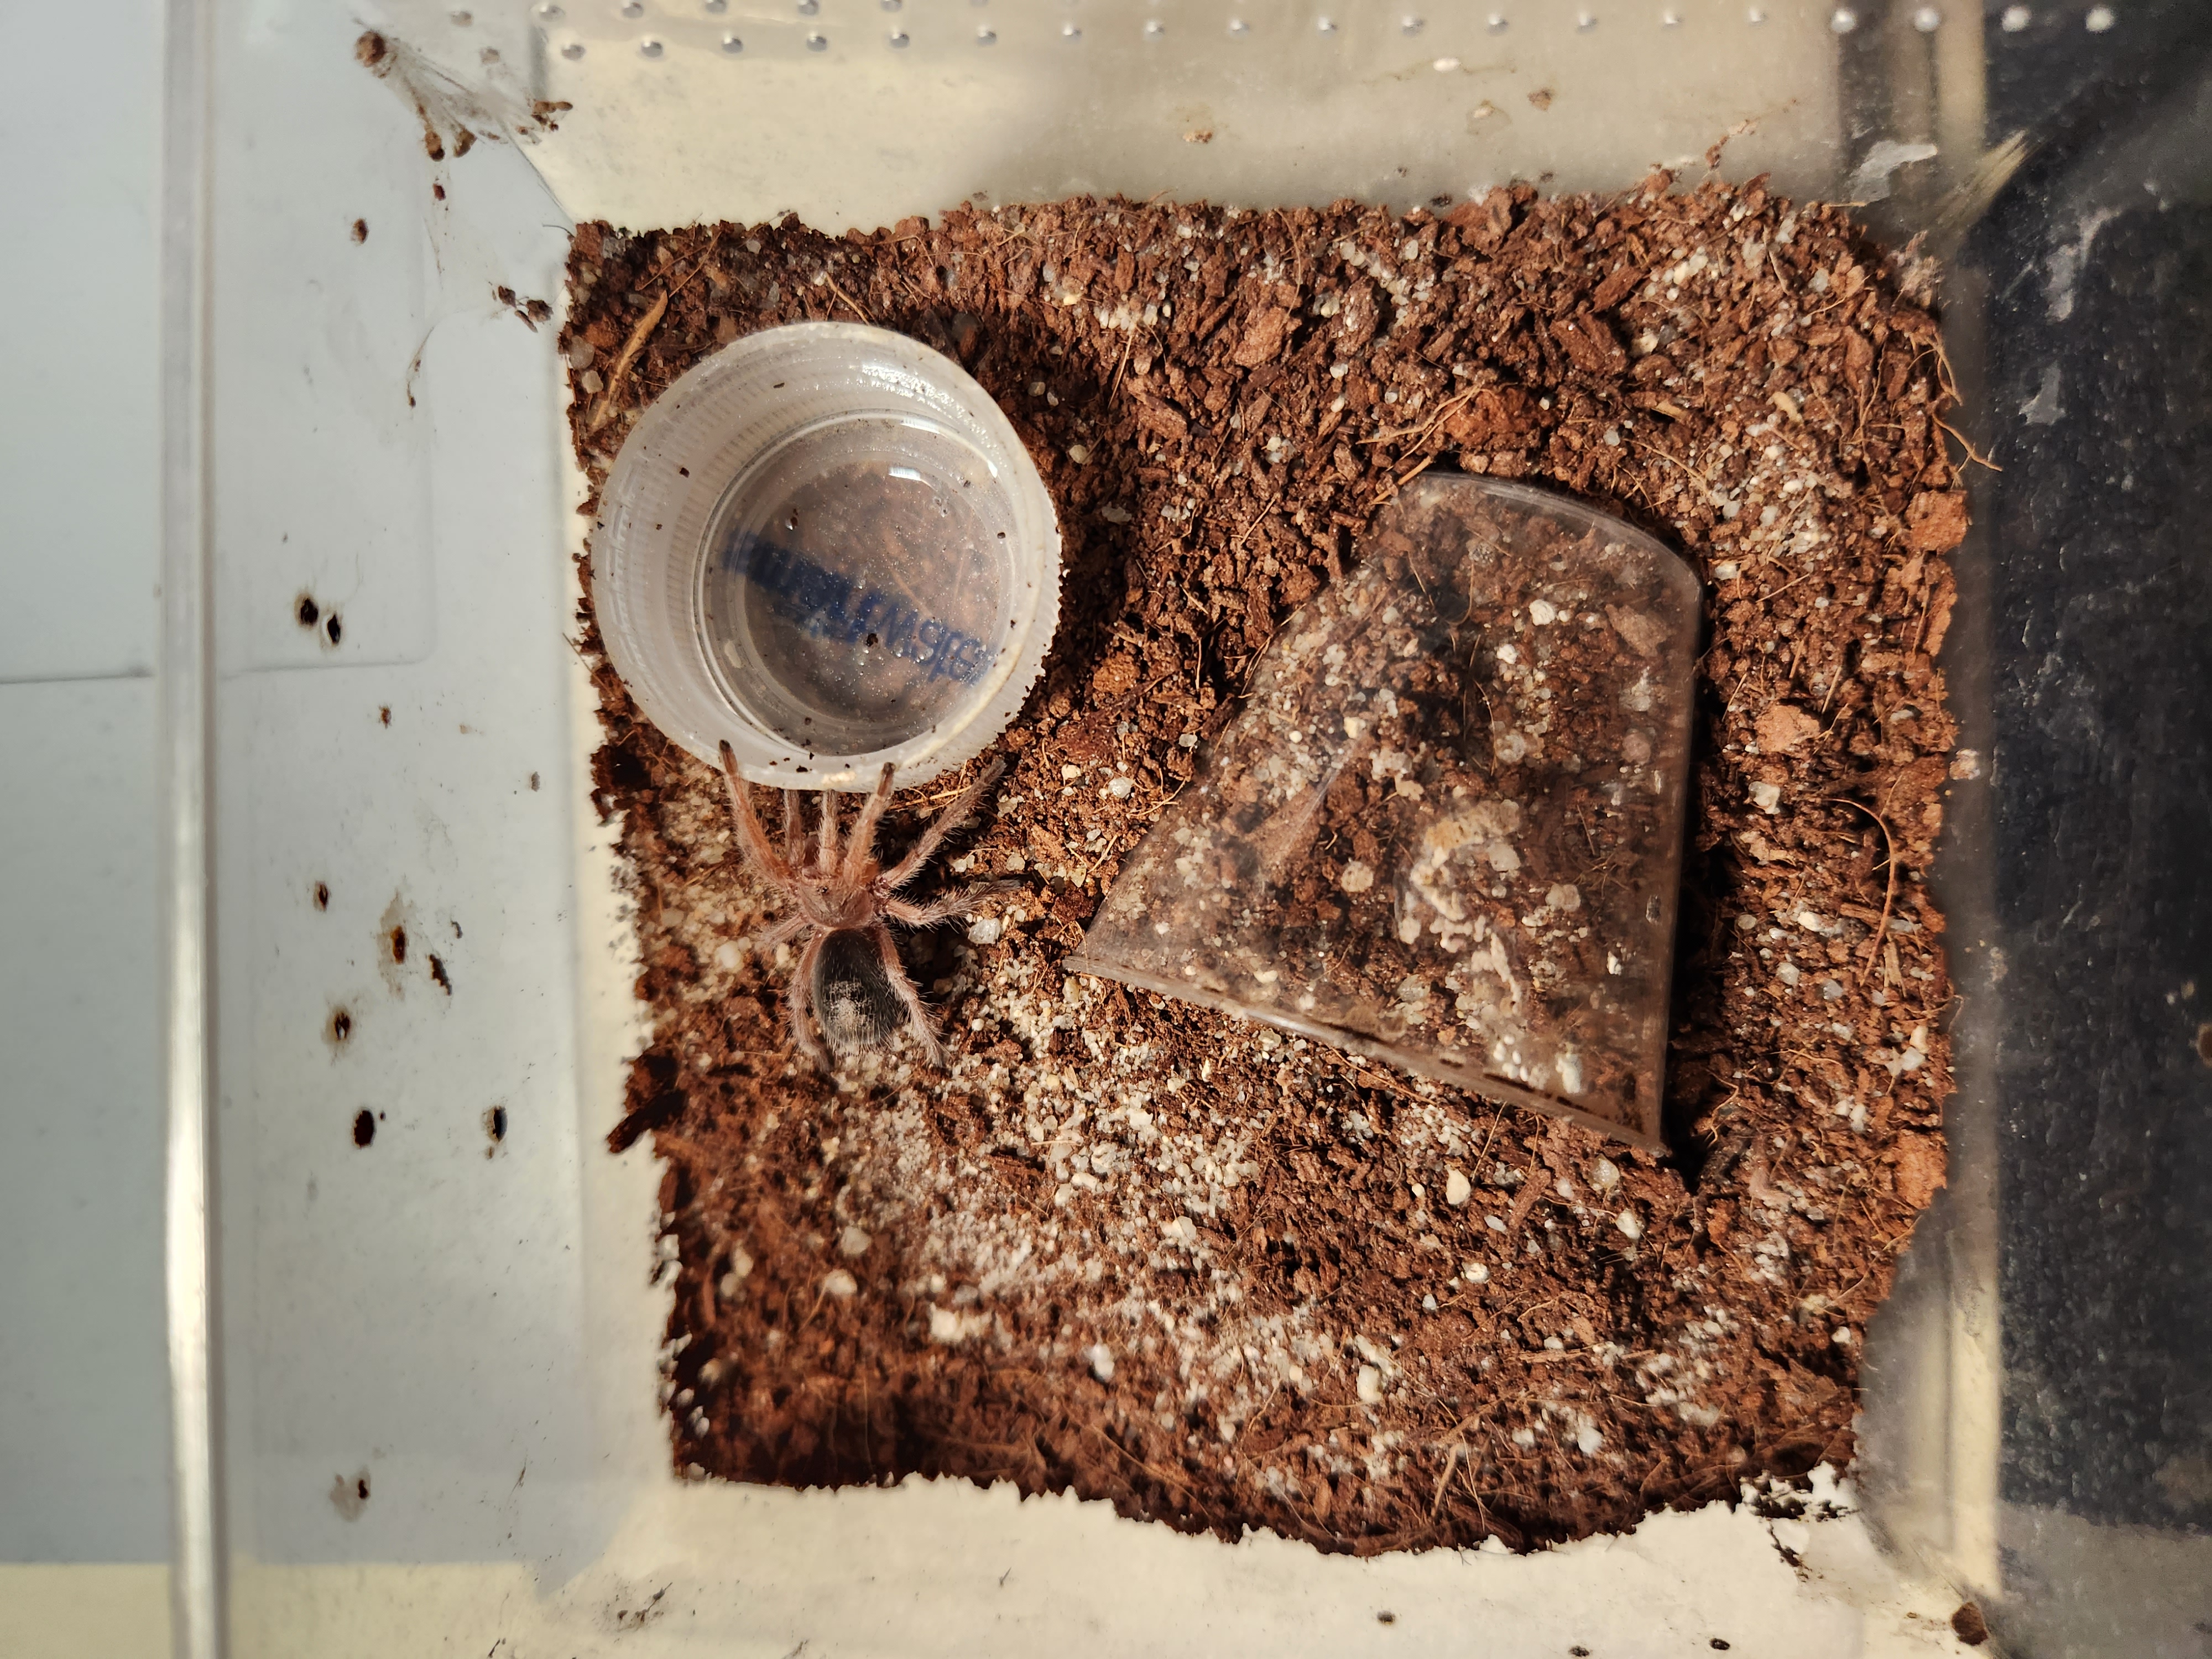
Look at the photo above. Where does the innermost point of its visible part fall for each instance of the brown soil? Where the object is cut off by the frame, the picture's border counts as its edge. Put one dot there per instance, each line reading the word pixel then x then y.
pixel 1132 1248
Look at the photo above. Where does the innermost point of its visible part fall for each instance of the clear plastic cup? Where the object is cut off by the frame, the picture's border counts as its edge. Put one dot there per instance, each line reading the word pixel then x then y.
pixel 825 545
pixel 1446 830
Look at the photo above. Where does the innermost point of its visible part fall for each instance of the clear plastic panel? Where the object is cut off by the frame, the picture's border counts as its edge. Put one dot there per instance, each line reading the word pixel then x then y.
pixel 456 1324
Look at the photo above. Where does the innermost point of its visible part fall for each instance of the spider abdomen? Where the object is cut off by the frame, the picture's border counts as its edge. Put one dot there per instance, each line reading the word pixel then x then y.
pixel 853 998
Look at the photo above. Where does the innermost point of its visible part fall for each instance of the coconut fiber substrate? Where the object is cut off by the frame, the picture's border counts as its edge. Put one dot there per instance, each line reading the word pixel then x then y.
pixel 1215 1275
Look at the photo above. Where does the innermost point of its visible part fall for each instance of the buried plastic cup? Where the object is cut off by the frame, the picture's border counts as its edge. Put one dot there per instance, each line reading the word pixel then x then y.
pixel 825 544
pixel 1445 830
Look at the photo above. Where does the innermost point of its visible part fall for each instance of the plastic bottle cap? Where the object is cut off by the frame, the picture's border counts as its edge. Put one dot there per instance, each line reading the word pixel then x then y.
pixel 825 544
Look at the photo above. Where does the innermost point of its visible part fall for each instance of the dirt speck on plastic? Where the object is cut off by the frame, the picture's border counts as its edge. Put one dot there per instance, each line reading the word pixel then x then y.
pixel 349 1495
pixel 1219 1276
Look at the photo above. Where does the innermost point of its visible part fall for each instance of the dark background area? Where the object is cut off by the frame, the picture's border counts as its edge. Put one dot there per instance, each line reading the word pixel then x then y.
pixel 2100 270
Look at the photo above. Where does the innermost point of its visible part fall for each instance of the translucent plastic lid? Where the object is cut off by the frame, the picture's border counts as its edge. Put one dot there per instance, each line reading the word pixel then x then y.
pixel 1447 831
pixel 826 545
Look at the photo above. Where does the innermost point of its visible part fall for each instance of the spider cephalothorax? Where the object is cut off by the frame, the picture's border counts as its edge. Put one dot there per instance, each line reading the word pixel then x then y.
pixel 848 980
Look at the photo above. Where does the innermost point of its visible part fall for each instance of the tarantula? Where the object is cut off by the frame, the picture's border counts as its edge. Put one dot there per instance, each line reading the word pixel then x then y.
pixel 849 977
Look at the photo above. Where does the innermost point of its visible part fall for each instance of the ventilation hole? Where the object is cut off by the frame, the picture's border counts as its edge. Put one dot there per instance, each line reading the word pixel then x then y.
pixel 341 1026
pixel 360 230
pixel 331 628
pixel 496 1123
pixel 364 1131
pixel 438 974
pixel 322 895
pixel 308 612
pixel 398 942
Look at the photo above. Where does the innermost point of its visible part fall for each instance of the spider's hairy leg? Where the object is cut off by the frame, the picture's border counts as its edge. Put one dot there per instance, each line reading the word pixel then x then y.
pixel 894 971
pixel 764 858
pixel 782 933
pixel 825 862
pixel 961 902
pixel 950 819
pixel 862 843
pixel 799 1005
pixel 794 850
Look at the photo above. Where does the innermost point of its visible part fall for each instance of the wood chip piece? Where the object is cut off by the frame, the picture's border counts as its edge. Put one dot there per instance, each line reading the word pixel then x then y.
pixel 1936 522
pixel 1785 728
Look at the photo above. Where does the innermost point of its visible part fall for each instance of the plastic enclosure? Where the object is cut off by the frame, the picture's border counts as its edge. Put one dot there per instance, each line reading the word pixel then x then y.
pixel 1500 908
pixel 415 1382
pixel 825 544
